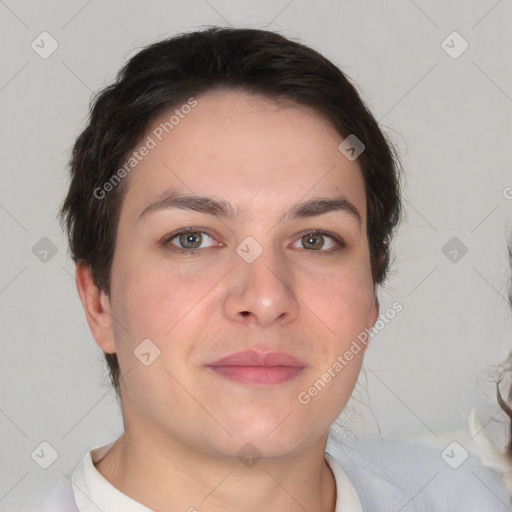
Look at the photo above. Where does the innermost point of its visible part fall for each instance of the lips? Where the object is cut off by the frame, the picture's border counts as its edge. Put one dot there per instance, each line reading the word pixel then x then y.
pixel 256 368
pixel 253 358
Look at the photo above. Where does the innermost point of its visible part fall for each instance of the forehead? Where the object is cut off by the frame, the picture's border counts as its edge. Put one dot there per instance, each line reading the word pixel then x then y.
pixel 244 148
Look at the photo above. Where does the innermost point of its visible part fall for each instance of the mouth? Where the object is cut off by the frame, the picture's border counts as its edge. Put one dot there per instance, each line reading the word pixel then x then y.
pixel 255 368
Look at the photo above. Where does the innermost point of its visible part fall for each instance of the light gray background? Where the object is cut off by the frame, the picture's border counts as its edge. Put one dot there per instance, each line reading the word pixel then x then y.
pixel 450 119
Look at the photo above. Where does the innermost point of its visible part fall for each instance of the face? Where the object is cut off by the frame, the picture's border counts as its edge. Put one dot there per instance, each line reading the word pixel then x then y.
pixel 258 278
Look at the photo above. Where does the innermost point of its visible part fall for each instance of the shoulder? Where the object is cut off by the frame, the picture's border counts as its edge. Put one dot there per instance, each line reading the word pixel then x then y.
pixel 58 498
pixel 389 473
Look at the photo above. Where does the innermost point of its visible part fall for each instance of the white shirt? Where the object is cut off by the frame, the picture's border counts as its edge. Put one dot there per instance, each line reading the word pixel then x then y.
pixel 92 492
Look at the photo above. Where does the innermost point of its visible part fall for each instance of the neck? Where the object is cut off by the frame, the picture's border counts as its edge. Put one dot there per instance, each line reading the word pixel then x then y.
pixel 164 474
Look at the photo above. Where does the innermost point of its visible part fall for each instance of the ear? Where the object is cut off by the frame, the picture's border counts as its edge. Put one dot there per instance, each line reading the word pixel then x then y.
pixel 97 308
pixel 374 312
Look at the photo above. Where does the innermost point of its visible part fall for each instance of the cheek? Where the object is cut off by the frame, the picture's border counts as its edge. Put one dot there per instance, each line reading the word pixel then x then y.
pixel 156 297
pixel 152 303
pixel 344 305
pixel 344 301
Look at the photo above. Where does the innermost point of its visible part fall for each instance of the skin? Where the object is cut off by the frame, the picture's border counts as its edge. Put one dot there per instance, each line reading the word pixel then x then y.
pixel 185 424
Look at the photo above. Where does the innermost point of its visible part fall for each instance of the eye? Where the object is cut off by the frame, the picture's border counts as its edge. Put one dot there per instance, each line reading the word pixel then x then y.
pixel 189 240
pixel 315 241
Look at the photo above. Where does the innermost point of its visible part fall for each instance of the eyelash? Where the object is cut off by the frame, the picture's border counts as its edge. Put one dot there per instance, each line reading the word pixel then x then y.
pixel 339 241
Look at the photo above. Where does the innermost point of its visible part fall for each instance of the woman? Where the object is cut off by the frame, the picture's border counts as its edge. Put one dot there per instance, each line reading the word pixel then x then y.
pixel 230 213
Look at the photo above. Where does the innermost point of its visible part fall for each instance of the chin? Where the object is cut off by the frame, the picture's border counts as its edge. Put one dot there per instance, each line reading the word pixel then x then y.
pixel 270 437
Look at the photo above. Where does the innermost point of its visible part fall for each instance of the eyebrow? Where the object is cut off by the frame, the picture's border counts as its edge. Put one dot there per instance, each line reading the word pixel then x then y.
pixel 221 208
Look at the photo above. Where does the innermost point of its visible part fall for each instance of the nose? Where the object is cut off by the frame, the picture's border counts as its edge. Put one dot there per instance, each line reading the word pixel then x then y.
pixel 261 292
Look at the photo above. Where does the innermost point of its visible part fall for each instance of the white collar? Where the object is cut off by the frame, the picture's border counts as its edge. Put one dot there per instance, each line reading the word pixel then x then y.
pixel 94 493
pixel 347 499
